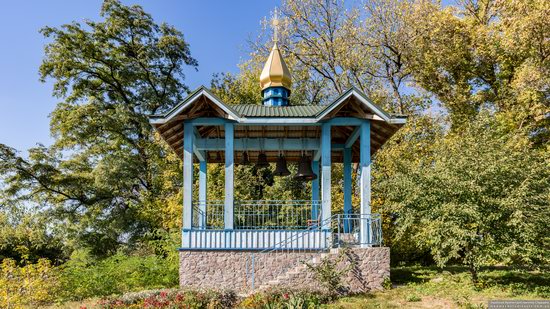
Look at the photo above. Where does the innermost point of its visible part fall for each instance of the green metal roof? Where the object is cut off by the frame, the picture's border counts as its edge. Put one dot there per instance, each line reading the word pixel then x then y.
pixel 295 111
pixel 247 112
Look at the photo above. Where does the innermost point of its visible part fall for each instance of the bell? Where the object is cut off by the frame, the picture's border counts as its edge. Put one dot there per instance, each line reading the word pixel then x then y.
pixel 281 168
pixel 262 161
pixel 305 173
pixel 244 159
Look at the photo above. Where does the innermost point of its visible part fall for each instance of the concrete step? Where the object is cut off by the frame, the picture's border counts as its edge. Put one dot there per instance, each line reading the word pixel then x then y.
pixel 297 270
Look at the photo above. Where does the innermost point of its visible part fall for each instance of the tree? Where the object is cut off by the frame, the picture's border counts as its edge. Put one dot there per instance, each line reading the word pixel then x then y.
pixel 105 165
pixel 330 46
pixel 484 53
pixel 480 198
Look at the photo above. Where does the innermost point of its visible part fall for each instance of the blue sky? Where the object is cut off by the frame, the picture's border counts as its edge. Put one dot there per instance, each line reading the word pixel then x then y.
pixel 212 28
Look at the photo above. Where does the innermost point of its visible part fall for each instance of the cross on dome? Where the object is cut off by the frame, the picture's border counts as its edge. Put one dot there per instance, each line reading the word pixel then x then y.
pixel 275 79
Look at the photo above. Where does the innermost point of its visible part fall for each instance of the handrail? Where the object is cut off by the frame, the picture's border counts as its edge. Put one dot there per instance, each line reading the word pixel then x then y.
pixel 340 218
pixel 278 246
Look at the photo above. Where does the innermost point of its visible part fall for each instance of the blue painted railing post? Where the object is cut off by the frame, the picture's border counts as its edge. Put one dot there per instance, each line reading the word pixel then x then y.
pixel 188 136
pixel 315 192
pixel 229 176
pixel 364 164
pixel 347 190
pixel 202 192
pixel 325 175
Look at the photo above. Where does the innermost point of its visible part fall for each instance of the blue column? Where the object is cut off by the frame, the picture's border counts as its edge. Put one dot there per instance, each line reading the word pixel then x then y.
pixel 315 192
pixel 202 192
pixel 364 166
pixel 188 136
pixel 325 175
pixel 347 189
pixel 229 177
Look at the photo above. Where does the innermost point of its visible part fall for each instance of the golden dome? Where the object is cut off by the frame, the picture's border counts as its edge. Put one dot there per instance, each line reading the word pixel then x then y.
pixel 275 72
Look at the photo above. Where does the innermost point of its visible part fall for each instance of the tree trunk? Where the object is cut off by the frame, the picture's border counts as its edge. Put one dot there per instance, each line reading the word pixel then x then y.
pixel 473 272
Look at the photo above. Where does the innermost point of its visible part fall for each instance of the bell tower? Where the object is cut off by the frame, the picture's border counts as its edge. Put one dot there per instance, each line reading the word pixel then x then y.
pixel 275 79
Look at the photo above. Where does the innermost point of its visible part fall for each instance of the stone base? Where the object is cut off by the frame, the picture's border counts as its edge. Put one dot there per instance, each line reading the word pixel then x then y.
pixel 366 269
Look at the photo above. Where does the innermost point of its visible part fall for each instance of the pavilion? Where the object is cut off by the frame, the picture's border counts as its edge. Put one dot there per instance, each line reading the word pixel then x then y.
pixel 236 244
pixel 203 129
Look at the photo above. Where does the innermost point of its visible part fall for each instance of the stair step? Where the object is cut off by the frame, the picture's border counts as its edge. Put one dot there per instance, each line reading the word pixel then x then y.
pixel 287 275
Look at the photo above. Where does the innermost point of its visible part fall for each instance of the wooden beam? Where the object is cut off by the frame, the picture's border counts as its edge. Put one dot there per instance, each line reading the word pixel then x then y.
pixel 347 187
pixel 315 191
pixel 345 121
pixel 268 144
pixel 200 154
pixel 326 175
pixel 229 175
pixel 188 177
pixel 353 137
pixel 171 126
pixel 365 181
pixel 210 121
pixel 202 192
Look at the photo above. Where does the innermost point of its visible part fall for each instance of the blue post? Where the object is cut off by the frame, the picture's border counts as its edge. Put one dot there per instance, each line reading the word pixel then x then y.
pixel 347 189
pixel 364 165
pixel 325 175
pixel 315 192
pixel 229 171
pixel 202 192
pixel 188 135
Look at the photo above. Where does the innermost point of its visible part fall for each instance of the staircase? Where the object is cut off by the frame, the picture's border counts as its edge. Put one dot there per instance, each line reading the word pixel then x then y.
pixel 299 272
pixel 344 231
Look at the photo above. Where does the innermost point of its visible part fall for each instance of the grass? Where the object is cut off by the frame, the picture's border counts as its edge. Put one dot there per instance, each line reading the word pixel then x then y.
pixel 426 287
pixel 429 287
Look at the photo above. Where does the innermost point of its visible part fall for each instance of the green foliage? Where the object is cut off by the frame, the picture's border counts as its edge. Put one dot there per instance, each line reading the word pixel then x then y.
pixel 451 287
pixel 285 299
pixel 105 169
pixel 387 285
pixel 171 299
pixel 24 236
pixel 329 271
pixel 413 298
pixel 29 285
pixel 487 53
pixel 461 188
pixel 82 276
pixel 480 198
pixel 215 299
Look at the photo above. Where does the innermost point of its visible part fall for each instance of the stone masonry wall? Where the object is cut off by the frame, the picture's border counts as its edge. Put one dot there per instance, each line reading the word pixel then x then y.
pixel 368 267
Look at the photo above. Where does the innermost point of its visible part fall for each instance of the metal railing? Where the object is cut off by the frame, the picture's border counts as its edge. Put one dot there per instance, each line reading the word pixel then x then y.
pixel 346 230
pixel 208 215
pixel 259 215
pixel 357 229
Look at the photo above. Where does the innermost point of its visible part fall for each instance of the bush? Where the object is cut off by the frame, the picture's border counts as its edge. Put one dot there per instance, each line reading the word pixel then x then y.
pixel 285 299
pixel 329 275
pixel 171 299
pixel 30 285
pixel 83 277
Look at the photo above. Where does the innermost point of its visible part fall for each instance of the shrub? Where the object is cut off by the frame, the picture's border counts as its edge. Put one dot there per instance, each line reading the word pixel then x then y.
pixel 83 277
pixel 171 299
pixel 387 284
pixel 285 299
pixel 30 285
pixel 329 274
